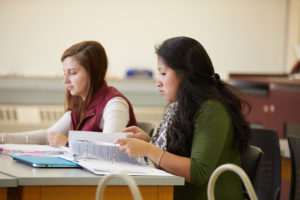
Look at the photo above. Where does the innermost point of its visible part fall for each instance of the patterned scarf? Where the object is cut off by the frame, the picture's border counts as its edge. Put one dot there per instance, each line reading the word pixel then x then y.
pixel 159 138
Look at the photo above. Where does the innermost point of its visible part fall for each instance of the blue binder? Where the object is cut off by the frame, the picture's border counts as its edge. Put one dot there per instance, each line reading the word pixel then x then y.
pixel 43 161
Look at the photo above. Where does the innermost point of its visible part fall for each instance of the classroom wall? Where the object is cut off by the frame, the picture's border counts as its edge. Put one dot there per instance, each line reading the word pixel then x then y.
pixel 293 33
pixel 240 36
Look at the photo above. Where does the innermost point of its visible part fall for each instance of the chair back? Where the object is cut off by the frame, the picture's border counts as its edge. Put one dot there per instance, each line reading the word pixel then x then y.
pixel 294 145
pixel 147 127
pixel 250 162
pixel 269 174
pixel 128 179
pixel 239 171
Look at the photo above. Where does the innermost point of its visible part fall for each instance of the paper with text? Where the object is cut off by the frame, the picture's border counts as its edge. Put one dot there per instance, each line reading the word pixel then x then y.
pixel 95 136
pixel 98 145
pixel 102 167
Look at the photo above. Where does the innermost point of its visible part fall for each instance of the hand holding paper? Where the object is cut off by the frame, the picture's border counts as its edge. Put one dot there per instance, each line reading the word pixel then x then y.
pixel 137 133
pixel 133 147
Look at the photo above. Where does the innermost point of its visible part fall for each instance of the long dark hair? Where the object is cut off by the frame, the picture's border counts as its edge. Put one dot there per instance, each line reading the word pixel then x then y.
pixel 91 55
pixel 188 58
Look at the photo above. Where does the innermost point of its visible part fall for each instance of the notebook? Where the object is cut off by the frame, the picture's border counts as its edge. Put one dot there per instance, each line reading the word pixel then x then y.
pixel 43 161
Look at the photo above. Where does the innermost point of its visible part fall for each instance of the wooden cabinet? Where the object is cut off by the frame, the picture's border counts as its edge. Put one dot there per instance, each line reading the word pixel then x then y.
pixel 275 100
pixel 260 109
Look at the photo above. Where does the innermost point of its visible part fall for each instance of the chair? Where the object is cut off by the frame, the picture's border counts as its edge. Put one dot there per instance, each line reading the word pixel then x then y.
pixel 269 174
pixel 294 145
pixel 128 179
pixel 147 127
pixel 250 161
pixel 239 171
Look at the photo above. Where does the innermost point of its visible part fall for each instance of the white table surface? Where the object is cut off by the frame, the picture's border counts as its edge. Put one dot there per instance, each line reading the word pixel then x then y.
pixel 27 175
pixel 8 181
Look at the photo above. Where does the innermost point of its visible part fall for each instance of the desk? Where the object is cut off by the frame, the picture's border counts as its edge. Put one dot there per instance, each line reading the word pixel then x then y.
pixel 76 183
pixel 6 182
pixel 285 168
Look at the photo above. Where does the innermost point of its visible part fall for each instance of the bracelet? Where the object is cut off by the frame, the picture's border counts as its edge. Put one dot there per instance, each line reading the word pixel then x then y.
pixel 27 139
pixel 158 161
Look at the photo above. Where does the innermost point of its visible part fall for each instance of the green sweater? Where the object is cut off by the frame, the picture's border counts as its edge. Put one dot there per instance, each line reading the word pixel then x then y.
pixel 212 147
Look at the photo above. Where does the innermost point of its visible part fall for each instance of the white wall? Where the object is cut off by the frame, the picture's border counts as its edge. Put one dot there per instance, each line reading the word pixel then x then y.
pixel 239 35
pixel 293 33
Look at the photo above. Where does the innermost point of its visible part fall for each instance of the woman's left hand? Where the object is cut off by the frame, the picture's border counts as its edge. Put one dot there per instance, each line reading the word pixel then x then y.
pixel 137 133
pixel 133 147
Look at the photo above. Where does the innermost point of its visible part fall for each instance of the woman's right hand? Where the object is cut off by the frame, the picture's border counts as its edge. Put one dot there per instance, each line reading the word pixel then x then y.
pixel 134 147
pixel 137 133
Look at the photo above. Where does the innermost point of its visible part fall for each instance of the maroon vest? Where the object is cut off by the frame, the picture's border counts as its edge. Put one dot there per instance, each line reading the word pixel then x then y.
pixel 91 121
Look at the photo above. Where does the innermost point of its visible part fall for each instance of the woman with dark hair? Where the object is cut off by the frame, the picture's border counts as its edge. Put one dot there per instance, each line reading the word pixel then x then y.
pixel 203 128
pixel 90 104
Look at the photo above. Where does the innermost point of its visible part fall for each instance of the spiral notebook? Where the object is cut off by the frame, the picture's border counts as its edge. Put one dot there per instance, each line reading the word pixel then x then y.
pixel 44 161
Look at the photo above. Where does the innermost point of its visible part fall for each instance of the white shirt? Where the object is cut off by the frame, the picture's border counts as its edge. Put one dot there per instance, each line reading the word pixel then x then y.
pixel 115 117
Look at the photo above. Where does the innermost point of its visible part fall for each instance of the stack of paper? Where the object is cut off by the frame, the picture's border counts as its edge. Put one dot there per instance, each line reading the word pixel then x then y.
pixel 95 136
pixel 104 150
pixel 98 145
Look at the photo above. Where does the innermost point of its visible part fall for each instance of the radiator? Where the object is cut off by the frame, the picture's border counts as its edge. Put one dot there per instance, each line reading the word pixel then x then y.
pixel 16 118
